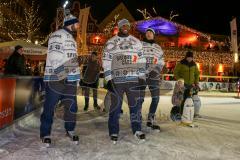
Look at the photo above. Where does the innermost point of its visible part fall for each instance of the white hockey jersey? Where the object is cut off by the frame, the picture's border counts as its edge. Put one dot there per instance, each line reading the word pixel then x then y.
pixel 154 59
pixel 123 59
pixel 62 59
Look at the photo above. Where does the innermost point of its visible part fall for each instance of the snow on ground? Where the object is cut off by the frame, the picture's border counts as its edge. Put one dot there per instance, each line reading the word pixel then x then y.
pixel 217 137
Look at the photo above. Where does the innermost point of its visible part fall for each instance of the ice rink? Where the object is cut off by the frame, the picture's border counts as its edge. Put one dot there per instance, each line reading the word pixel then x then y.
pixel 216 137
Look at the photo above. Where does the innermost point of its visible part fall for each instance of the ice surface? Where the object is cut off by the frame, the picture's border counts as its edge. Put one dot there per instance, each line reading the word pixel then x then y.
pixel 217 137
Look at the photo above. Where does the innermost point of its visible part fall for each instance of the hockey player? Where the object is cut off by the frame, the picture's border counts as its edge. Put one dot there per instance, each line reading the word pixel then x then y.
pixel 123 64
pixel 154 64
pixel 61 76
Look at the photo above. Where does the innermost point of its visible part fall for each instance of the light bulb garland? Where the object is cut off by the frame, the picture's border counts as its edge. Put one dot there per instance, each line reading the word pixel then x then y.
pixel 25 27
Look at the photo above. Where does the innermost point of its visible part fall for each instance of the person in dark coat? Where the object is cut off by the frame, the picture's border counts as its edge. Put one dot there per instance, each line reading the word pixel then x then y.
pixel 91 72
pixel 16 64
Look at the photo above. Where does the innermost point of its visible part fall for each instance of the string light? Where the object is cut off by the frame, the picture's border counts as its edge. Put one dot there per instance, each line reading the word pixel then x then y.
pixel 110 26
pixel 16 27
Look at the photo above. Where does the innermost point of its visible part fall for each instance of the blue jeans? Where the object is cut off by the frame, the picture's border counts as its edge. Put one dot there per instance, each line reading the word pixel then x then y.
pixel 154 88
pixel 133 96
pixel 56 91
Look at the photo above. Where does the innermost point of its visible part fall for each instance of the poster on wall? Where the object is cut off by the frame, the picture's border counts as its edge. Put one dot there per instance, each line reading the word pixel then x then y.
pixel 218 86
pixel 204 86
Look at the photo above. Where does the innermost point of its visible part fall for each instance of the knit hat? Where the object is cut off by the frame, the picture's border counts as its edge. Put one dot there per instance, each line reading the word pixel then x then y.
pixel 150 29
pixel 18 47
pixel 70 19
pixel 123 22
pixel 189 54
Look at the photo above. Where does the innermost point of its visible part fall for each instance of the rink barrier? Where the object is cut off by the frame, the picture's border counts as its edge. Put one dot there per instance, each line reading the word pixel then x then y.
pixel 238 88
pixel 225 86
pixel 18 97
pixel 7 98
pixel 207 77
pixel 21 95
pixel 204 86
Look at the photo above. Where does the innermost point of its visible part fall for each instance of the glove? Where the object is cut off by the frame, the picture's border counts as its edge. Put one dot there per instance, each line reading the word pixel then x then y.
pixel 197 86
pixel 110 86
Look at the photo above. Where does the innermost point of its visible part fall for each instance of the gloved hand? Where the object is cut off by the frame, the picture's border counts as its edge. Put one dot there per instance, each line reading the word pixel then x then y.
pixel 110 86
pixel 197 86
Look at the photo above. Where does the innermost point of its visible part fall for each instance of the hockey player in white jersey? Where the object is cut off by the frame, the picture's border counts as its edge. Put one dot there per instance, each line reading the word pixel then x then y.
pixel 61 76
pixel 154 64
pixel 124 68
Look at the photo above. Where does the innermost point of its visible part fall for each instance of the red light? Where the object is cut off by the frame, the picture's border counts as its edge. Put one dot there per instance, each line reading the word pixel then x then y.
pixel 192 38
pixel 220 68
pixel 97 39
pixel 115 30
pixel 198 66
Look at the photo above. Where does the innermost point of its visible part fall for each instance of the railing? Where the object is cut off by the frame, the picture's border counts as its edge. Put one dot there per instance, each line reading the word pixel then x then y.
pixel 207 78
pixel 238 89
pixel 22 94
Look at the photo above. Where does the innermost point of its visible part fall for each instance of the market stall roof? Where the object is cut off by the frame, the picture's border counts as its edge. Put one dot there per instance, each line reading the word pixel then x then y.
pixel 165 27
pixel 29 48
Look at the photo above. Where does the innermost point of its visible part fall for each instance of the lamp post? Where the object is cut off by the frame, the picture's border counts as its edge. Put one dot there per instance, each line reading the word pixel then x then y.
pixel 65 5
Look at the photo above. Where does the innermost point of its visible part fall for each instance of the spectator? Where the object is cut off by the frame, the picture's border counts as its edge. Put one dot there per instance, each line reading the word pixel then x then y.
pixel 36 71
pixel 28 67
pixel 16 64
pixel 90 80
pixel 187 70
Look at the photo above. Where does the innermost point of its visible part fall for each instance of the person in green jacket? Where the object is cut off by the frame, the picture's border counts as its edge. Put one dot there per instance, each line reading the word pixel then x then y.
pixel 187 69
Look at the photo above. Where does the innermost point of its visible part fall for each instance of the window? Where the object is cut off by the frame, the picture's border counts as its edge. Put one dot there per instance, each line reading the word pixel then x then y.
pixel 90 27
pixel 17 8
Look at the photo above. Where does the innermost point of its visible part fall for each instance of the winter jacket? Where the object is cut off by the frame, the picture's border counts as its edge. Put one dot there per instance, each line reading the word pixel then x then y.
pixel 16 65
pixel 188 71
pixel 62 60
pixel 123 59
pixel 91 72
pixel 154 59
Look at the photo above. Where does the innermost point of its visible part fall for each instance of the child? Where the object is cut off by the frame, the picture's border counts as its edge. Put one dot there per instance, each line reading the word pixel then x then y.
pixel 177 99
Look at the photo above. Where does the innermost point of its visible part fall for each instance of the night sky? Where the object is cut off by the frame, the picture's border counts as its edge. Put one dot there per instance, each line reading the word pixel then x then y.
pixel 206 16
